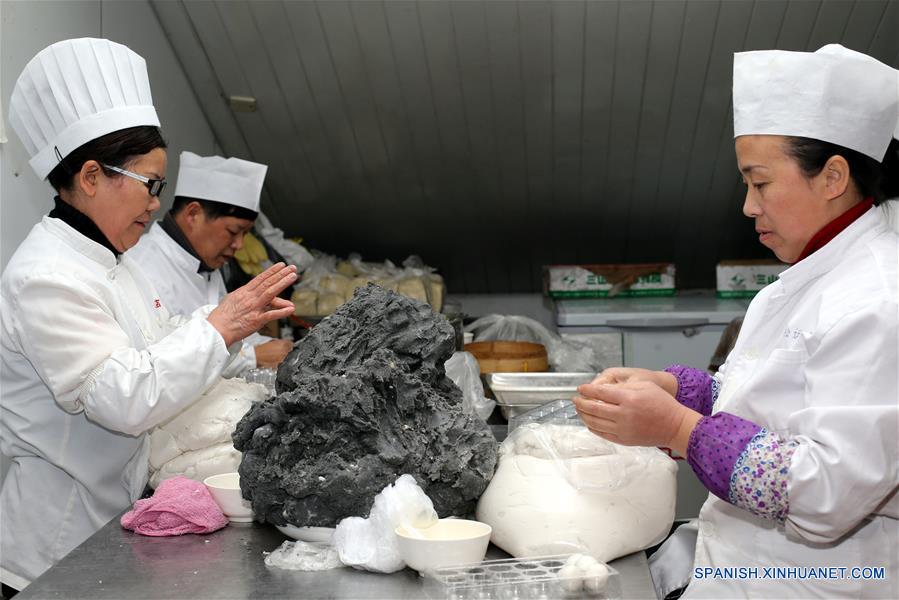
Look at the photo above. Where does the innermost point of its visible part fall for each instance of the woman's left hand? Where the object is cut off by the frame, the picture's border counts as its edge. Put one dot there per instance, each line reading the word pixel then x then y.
pixel 636 413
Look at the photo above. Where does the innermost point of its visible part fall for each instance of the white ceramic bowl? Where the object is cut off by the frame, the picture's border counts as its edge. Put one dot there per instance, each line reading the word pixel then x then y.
pixel 445 543
pixel 321 535
pixel 225 490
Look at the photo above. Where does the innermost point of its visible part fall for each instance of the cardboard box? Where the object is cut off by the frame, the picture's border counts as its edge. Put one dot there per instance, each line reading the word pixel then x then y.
pixel 745 278
pixel 610 280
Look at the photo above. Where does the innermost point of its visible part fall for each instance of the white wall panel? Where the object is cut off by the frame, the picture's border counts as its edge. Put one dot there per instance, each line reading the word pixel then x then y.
pixel 26 27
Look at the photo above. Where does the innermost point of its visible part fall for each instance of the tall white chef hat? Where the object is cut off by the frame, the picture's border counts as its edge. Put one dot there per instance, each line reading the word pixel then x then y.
pixel 75 91
pixel 834 95
pixel 230 180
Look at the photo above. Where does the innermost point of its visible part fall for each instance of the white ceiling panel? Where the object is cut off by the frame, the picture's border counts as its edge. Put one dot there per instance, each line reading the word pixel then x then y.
pixel 493 137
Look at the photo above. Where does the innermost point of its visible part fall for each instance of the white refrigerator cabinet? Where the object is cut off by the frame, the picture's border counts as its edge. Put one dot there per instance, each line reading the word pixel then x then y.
pixel 655 331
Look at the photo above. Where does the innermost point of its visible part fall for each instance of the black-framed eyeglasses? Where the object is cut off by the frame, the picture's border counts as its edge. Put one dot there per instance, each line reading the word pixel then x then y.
pixel 155 186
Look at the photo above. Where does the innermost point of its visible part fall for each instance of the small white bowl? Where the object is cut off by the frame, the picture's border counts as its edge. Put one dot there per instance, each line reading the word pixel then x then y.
pixel 323 535
pixel 445 543
pixel 225 490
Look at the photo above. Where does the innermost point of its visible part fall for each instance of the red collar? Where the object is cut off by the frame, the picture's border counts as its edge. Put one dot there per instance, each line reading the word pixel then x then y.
pixel 830 231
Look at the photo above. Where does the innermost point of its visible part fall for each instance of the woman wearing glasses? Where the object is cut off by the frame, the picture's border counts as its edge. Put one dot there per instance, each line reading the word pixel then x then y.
pixel 90 356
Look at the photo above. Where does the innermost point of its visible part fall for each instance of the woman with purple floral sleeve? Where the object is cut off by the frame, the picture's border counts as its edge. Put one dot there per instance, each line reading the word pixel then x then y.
pixel 796 436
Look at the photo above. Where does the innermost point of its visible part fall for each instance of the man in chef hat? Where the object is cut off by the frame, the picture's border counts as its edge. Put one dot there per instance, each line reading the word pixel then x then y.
pixel 216 203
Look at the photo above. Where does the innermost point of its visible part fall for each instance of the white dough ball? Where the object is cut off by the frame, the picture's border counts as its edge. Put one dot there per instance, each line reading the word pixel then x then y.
pixel 585 562
pixel 571 580
pixel 572 560
pixel 596 577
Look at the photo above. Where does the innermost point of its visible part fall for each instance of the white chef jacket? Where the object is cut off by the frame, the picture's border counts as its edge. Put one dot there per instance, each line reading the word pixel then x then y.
pixel 174 272
pixel 816 362
pixel 90 361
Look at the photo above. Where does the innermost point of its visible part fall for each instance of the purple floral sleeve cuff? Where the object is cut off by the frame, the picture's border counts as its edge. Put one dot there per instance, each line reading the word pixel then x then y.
pixel 742 463
pixel 696 389
pixel 759 480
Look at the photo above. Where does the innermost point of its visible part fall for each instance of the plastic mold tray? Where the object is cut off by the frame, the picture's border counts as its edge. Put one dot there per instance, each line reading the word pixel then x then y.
pixel 560 412
pixel 531 578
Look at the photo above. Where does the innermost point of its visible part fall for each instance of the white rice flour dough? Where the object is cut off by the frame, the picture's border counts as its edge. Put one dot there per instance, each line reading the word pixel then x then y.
pixel 560 489
pixel 196 442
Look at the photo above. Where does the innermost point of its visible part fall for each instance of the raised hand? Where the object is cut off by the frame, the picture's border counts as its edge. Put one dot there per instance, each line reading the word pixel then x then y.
pixel 248 308
pixel 637 413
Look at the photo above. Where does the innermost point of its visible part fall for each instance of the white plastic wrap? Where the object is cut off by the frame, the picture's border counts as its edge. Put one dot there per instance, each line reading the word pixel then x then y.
pixel 563 355
pixel 416 270
pixel 463 369
pixel 304 556
pixel 370 544
pixel 561 489
pixel 586 461
pixel 384 274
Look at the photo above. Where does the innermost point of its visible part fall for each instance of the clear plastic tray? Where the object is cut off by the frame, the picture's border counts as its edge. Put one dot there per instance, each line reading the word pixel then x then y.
pixel 561 412
pixel 510 412
pixel 262 376
pixel 516 579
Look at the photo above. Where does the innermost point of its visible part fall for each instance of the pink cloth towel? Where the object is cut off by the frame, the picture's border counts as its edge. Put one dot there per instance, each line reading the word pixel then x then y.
pixel 179 505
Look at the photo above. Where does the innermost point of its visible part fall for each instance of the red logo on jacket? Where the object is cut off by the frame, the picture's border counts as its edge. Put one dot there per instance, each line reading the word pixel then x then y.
pixel 157 303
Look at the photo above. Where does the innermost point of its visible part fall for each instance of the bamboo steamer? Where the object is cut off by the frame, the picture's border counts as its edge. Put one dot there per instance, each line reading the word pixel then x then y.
pixel 509 357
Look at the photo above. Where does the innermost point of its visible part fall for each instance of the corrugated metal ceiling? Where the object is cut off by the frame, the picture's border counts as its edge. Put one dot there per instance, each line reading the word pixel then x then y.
pixel 494 137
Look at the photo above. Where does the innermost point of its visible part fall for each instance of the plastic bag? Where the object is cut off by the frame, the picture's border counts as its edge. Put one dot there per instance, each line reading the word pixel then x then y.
pixel 328 283
pixel 463 369
pixel 563 355
pixel 589 495
pixel 433 283
pixel 303 556
pixel 322 288
pixel 587 461
pixel 292 252
pixel 370 544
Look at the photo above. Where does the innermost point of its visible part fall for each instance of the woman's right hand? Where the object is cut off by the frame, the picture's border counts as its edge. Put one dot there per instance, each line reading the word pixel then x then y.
pixel 248 308
pixel 663 379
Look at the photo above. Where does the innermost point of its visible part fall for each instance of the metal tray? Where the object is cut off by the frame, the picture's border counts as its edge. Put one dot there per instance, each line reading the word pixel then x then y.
pixel 512 389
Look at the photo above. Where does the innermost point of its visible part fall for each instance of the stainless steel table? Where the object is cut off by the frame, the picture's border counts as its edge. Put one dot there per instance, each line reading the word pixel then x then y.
pixel 115 563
